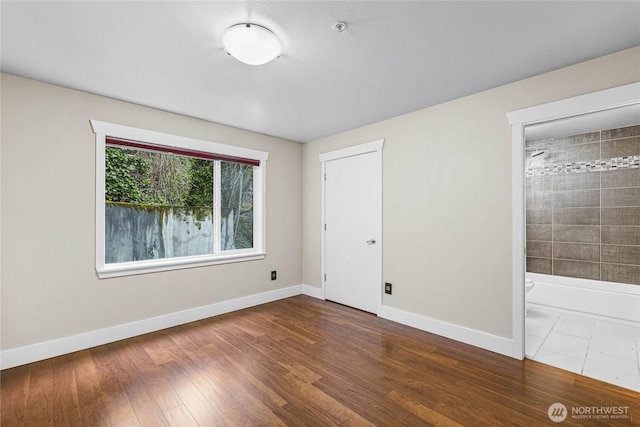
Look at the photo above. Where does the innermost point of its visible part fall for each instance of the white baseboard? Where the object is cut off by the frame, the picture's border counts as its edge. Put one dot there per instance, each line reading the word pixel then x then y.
pixel 449 330
pixel 312 291
pixel 44 350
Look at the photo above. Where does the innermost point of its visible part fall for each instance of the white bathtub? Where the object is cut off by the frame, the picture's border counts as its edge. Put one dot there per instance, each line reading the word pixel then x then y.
pixel 608 300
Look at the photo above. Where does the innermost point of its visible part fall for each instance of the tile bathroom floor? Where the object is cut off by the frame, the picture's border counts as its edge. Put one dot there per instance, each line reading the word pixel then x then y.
pixel 599 349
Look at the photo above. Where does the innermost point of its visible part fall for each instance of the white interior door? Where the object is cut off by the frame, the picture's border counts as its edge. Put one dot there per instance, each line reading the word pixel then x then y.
pixel 353 219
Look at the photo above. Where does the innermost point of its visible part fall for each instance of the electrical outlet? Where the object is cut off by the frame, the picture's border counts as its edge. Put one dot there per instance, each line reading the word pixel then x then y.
pixel 387 288
pixel 273 275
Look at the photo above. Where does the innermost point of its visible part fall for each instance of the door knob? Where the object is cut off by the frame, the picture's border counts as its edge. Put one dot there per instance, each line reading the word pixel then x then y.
pixel 371 242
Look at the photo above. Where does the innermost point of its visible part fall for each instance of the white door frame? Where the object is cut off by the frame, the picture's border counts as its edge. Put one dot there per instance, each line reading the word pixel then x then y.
pixel 356 150
pixel 620 96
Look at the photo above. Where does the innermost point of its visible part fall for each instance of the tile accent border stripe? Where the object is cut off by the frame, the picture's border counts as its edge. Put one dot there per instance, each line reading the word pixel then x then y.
pixel 616 163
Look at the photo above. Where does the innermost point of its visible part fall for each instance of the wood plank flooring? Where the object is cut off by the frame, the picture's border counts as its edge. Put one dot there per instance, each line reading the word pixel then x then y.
pixel 297 362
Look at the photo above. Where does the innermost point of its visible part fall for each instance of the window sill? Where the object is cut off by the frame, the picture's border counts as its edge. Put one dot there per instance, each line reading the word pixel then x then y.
pixel 153 266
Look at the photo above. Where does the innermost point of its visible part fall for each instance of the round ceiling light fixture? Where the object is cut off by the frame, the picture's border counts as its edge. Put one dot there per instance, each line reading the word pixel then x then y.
pixel 251 44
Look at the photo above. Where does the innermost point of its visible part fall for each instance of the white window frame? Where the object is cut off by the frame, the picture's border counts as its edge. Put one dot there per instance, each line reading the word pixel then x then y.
pixel 103 130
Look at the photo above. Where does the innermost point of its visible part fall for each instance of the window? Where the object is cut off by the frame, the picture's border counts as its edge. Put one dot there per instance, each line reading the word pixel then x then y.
pixel 165 202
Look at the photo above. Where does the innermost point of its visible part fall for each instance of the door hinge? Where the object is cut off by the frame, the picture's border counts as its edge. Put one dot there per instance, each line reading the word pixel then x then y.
pixel 325 176
pixel 325 277
pixel 325 227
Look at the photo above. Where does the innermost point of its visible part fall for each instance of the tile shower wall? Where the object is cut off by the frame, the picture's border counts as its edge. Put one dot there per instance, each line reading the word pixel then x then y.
pixel 583 206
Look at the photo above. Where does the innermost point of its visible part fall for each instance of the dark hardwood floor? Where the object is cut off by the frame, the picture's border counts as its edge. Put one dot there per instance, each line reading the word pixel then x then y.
pixel 297 362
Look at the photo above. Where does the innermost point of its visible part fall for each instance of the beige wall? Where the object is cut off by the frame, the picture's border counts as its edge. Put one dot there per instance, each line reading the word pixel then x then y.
pixel 49 286
pixel 447 195
pixel 446 209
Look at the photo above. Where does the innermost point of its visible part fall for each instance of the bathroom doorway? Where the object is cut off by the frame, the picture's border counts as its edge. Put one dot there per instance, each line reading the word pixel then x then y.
pixel 577 286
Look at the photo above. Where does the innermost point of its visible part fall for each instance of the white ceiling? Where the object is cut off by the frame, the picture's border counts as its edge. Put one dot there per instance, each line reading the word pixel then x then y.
pixel 394 56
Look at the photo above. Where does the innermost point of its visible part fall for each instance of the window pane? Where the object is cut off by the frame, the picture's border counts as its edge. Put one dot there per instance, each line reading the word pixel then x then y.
pixel 236 206
pixel 157 205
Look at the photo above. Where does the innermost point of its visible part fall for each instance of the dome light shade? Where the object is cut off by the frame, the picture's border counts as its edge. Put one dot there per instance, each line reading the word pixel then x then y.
pixel 251 44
